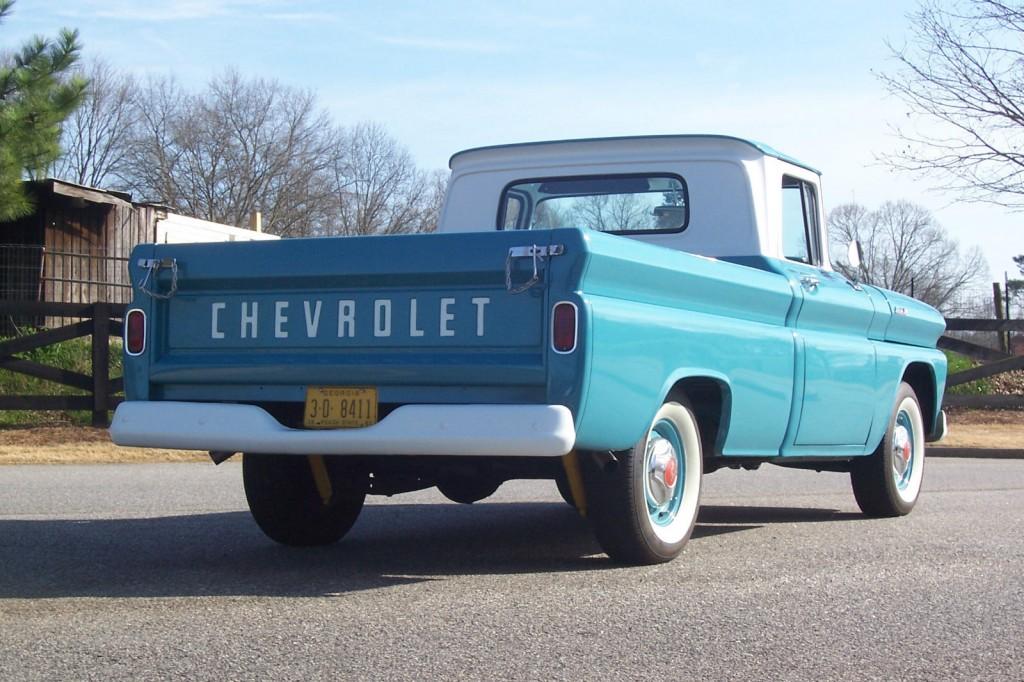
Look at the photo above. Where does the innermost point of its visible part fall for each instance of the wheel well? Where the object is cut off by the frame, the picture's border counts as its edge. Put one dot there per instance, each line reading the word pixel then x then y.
pixel 709 399
pixel 919 376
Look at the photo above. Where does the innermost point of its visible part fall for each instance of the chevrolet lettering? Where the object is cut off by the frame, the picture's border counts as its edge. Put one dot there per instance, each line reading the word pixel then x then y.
pixel 379 316
pixel 622 316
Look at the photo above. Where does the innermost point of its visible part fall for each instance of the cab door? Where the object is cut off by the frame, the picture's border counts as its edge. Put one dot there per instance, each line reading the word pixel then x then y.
pixel 831 329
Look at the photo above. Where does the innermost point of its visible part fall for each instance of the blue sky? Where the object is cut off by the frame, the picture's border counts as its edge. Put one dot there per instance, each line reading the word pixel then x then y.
pixel 446 75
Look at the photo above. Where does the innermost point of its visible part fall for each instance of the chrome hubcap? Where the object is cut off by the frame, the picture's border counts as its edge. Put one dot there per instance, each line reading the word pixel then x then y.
pixel 663 465
pixel 662 469
pixel 902 450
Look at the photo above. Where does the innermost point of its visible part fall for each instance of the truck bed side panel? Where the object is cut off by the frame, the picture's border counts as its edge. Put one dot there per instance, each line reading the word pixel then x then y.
pixel 658 316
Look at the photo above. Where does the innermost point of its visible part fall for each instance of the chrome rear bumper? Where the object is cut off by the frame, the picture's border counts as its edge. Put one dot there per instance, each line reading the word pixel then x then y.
pixel 466 430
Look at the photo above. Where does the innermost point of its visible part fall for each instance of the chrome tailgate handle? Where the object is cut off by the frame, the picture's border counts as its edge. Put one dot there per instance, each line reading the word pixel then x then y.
pixel 153 267
pixel 538 254
pixel 536 251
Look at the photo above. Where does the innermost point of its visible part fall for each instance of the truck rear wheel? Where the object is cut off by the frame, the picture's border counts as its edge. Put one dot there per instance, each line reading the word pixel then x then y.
pixel 291 507
pixel 643 509
pixel 888 482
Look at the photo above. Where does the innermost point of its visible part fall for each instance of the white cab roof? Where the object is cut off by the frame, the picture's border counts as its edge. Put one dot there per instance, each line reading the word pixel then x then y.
pixel 733 184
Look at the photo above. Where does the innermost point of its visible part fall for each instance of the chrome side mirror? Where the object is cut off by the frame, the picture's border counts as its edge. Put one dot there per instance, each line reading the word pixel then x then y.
pixel 854 254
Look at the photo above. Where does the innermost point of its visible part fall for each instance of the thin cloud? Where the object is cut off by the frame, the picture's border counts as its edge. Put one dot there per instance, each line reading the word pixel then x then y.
pixel 170 10
pixel 302 17
pixel 563 21
pixel 155 38
pixel 443 44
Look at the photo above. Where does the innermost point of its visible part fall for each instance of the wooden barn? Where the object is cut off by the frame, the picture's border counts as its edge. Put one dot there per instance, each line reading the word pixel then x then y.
pixel 74 248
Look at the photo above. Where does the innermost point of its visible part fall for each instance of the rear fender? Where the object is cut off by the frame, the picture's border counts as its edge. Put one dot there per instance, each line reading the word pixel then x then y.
pixel 692 383
pixel 710 397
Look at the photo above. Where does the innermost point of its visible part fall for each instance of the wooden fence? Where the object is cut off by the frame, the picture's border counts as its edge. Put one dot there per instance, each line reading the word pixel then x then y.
pixel 103 320
pixel 98 320
pixel 995 362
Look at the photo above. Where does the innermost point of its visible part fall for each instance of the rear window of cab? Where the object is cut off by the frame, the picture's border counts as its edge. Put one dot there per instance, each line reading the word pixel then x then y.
pixel 618 204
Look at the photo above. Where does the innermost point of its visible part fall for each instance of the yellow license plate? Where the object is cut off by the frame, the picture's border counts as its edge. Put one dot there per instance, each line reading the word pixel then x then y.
pixel 336 407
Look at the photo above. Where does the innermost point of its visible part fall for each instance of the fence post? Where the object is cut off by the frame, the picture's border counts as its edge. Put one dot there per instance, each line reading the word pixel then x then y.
pixel 100 363
pixel 997 302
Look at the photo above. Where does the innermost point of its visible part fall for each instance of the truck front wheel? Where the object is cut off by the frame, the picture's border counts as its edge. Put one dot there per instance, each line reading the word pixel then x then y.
pixel 643 509
pixel 888 482
pixel 301 501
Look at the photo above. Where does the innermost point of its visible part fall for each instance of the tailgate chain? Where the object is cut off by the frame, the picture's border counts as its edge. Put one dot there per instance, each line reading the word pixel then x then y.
pixel 538 254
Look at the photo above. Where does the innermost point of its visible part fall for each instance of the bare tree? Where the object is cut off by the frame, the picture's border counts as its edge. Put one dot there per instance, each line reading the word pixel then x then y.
pixel 960 76
pixel 377 187
pixel 153 155
pixel 433 202
pixel 905 250
pixel 243 145
pixel 550 213
pixel 611 212
pixel 1015 287
pixel 96 137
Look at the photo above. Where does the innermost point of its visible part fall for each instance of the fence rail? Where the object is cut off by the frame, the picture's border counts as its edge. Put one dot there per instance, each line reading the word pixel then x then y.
pixel 981 324
pixel 101 321
pixel 993 362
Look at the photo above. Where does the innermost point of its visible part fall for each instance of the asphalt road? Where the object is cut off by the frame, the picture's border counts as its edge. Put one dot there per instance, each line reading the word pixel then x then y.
pixel 157 572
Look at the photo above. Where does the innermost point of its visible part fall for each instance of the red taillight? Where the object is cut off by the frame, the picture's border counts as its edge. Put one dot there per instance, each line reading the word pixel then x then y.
pixel 563 327
pixel 135 332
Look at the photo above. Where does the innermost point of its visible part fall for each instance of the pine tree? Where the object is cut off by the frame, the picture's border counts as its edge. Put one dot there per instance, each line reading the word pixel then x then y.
pixel 37 92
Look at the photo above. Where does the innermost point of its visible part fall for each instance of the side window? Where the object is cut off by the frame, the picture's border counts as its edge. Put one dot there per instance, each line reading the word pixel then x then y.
pixel 513 211
pixel 800 221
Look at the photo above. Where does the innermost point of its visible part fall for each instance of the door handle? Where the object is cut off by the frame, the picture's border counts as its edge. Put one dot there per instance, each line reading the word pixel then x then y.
pixel 810 283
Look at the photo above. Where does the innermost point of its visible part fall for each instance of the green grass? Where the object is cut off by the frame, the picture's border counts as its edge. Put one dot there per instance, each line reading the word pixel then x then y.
pixel 74 355
pixel 958 363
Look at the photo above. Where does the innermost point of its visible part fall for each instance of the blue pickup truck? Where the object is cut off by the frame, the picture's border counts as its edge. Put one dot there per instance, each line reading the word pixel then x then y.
pixel 620 315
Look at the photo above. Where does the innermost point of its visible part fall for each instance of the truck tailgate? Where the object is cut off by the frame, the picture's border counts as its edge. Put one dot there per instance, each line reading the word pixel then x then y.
pixel 424 318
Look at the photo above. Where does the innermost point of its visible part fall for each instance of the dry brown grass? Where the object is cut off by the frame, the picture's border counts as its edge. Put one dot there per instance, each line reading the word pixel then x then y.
pixel 78 445
pixel 1008 417
pixel 997 429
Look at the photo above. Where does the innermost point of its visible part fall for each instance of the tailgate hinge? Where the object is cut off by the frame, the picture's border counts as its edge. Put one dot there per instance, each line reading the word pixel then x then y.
pixel 538 254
